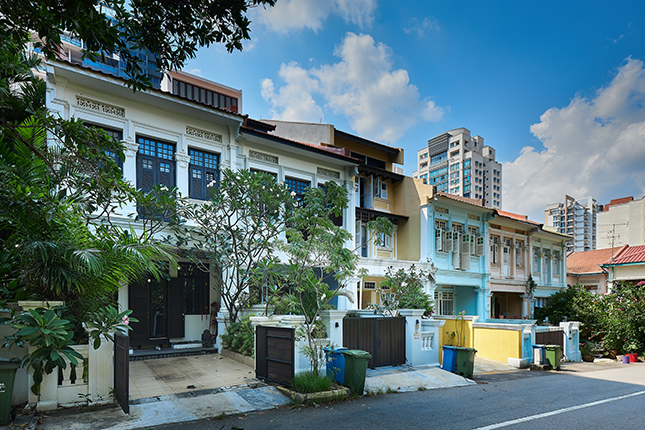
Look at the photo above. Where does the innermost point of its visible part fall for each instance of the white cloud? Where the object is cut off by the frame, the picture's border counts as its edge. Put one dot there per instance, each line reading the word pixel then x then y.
pixel 293 101
pixel 592 147
pixel 379 102
pixel 288 15
pixel 420 28
pixel 196 72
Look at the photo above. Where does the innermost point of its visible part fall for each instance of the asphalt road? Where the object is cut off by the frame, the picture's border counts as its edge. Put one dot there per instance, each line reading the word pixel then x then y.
pixel 579 397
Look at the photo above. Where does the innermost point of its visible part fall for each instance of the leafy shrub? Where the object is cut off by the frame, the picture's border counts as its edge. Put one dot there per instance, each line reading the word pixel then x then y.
pixel 621 325
pixel 239 337
pixel 403 289
pixel 310 382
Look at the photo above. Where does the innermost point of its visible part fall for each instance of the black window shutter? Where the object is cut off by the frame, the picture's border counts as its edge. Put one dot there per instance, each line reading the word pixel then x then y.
pixel 197 183
pixel 165 173
pixel 145 173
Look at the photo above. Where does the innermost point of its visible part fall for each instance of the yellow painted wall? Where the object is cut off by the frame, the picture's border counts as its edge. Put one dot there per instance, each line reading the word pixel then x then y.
pixel 382 204
pixel 466 331
pixel 405 199
pixel 498 344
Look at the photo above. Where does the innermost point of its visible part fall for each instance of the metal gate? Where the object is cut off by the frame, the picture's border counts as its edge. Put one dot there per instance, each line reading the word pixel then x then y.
pixel 555 337
pixel 384 338
pixel 274 352
pixel 122 371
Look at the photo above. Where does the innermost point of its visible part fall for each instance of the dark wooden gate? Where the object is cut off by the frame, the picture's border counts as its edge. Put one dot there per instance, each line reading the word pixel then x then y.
pixel 384 338
pixel 555 337
pixel 122 371
pixel 274 354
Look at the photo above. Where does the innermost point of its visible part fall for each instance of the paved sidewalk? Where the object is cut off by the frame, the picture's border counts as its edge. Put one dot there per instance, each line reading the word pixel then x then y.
pixel 199 404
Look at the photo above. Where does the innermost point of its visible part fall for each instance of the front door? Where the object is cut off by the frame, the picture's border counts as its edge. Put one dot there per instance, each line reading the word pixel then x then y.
pixel 159 307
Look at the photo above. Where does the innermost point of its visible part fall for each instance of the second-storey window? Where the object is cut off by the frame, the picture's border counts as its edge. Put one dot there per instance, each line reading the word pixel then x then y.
pixel 155 163
pixel 298 188
pixel 117 136
pixel 203 173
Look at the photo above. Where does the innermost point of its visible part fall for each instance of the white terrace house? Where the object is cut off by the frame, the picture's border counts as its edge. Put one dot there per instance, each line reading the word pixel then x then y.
pixel 175 141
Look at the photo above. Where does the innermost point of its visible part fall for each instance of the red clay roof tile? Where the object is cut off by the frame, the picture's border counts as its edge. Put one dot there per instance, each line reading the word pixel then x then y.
pixel 589 261
pixel 629 254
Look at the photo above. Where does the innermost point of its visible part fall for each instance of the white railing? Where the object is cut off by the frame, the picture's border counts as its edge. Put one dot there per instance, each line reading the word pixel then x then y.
pixel 77 385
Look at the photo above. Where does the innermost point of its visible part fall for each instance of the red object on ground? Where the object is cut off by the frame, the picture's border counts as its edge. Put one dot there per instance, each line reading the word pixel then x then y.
pixel 633 357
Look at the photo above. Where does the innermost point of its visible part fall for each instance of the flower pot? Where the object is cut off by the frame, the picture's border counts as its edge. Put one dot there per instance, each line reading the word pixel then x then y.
pixel 625 359
pixel 588 358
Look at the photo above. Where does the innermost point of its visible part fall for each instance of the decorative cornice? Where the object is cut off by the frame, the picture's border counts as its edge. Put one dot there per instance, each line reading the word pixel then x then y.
pixel 100 106
pixel 207 135
pixel 329 173
pixel 268 158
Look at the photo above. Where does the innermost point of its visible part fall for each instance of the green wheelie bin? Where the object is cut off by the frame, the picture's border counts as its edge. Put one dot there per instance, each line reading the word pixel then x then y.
pixel 554 356
pixel 356 369
pixel 7 375
pixel 465 361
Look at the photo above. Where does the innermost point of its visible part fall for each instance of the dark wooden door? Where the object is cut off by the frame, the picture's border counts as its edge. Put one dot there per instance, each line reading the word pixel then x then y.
pixel 383 338
pixel 139 303
pixel 274 354
pixel 122 371
pixel 176 308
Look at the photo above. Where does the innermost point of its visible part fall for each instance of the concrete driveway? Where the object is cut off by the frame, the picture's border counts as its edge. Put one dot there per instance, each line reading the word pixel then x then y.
pixel 164 376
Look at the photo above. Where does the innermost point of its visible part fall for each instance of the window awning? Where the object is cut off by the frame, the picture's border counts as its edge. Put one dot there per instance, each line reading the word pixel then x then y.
pixel 371 214
pixel 378 172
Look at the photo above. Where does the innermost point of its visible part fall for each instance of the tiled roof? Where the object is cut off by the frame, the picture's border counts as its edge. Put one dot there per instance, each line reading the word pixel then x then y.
pixel 517 217
pixel 589 261
pixel 629 254
pixel 339 152
pixel 617 202
pixel 462 199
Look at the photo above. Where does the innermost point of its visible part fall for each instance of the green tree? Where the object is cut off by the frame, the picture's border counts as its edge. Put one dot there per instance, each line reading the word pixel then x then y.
pixel 317 253
pixel 58 189
pixel 575 303
pixel 237 231
pixel 172 30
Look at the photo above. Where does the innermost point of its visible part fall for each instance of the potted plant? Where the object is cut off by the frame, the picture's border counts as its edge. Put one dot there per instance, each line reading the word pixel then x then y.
pixel 585 351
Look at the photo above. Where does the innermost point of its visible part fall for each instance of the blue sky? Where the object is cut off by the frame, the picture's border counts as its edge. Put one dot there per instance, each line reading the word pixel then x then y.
pixel 557 88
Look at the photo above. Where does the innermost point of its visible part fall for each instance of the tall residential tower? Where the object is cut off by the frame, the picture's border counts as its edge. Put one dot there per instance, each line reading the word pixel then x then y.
pixel 459 164
pixel 576 218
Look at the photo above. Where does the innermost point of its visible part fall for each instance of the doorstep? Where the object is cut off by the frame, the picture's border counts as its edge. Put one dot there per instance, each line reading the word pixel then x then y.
pixel 148 354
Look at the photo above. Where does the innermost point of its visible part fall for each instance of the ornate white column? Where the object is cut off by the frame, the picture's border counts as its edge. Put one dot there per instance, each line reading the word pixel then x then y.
pixel 182 160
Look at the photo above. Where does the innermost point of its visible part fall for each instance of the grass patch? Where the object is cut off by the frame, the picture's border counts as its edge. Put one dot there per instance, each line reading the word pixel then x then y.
pixel 310 382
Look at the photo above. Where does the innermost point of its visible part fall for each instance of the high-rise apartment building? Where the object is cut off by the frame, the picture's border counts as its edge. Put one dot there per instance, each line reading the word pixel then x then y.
pixel 622 222
pixel 576 218
pixel 459 164
pixel 72 48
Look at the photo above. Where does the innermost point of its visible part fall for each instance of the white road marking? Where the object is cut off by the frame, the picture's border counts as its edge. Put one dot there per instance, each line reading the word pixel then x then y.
pixel 557 412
